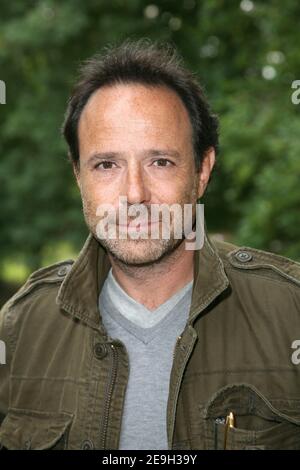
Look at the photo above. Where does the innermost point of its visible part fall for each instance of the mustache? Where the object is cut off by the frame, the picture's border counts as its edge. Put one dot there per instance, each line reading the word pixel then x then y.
pixel 142 214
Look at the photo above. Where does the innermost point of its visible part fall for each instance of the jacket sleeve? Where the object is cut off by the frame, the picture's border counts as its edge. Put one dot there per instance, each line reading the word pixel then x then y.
pixel 10 316
pixel 5 363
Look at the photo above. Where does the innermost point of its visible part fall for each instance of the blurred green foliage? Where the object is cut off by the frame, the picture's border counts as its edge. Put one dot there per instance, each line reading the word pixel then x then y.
pixel 246 55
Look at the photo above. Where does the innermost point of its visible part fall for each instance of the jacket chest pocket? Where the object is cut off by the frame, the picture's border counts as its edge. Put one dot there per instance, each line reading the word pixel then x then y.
pixel 239 417
pixel 36 430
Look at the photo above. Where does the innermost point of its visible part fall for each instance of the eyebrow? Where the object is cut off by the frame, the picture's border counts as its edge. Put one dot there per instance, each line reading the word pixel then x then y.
pixel 148 153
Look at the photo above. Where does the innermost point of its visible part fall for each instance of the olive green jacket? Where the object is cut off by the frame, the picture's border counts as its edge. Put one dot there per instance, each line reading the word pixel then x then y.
pixel 64 381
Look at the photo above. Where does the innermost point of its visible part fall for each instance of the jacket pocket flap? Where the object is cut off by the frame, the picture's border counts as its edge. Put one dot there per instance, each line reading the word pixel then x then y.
pixel 257 421
pixel 245 399
pixel 28 429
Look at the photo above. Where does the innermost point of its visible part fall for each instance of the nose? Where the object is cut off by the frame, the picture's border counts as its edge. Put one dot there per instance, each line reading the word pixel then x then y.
pixel 136 188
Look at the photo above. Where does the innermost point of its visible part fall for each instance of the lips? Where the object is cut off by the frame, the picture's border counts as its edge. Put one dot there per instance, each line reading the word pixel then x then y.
pixel 133 224
pixel 137 226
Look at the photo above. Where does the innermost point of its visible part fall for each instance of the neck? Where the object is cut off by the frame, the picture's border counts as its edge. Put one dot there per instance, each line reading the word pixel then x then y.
pixel 154 284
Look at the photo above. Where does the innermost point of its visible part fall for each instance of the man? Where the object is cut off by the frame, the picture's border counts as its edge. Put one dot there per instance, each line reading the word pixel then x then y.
pixel 143 343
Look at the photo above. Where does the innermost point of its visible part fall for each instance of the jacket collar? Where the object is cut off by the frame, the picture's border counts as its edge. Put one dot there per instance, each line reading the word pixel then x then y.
pixel 210 279
pixel 79 292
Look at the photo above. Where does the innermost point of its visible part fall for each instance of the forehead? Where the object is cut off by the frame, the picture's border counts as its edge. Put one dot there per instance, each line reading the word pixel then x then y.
pixel 126 109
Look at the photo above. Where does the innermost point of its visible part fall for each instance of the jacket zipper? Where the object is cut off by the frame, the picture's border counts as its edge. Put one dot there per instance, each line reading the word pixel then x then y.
pixel 112 379
pixel 176 396
pixel 174 350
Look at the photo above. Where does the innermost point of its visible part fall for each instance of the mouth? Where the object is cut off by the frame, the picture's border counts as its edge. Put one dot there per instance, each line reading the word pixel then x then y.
pixel 136 227
pixel 134 224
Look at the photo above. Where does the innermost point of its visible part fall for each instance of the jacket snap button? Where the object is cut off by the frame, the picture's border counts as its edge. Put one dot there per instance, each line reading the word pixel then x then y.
pixel 243 256
pixel 63 270
pixel 87 445
pixel 27 444
pixel 100 350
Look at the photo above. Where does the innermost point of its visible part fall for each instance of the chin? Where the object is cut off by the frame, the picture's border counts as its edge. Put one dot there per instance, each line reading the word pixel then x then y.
pixel 138 252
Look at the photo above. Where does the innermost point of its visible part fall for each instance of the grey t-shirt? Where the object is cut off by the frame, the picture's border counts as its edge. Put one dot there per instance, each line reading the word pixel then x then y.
pixel 149 337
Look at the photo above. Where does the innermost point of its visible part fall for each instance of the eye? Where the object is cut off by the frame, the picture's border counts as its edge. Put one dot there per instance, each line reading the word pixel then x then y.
pixel 162 162
pixel 105 165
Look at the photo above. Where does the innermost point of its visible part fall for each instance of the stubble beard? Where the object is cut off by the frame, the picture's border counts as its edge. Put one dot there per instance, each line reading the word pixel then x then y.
pixel 141 252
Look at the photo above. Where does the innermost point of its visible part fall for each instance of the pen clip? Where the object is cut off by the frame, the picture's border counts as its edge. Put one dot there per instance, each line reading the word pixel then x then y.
pixel 229 423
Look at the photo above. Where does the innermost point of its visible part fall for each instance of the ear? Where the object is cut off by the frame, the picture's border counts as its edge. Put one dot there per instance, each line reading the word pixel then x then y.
pixel 76 171
pixel 205 171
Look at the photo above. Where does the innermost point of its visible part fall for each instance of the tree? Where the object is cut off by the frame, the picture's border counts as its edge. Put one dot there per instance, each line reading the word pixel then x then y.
pixel 246 55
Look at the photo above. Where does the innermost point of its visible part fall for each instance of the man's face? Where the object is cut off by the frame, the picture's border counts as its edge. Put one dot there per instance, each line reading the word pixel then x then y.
pixel 136 142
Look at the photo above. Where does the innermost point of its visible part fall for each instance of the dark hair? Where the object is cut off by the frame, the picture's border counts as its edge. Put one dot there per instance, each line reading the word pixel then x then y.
pixel 149 63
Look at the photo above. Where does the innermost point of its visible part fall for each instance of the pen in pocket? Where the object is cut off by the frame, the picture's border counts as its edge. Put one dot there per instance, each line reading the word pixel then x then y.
pixel 229 423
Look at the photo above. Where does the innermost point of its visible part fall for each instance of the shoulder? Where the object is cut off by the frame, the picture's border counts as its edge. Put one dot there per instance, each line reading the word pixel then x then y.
pixel 36 295
pixel 40 280
pixel 246 261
